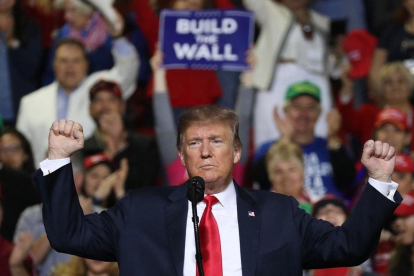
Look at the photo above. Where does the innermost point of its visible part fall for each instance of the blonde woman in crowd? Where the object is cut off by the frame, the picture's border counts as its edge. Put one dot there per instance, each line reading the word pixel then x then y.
pixel 394 86
pixel 285 168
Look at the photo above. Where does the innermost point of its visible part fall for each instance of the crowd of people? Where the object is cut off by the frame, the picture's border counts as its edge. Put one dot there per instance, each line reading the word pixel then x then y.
pixel 325 77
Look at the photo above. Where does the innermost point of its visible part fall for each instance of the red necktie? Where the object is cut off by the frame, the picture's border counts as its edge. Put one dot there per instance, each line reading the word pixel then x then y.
pixel 210 240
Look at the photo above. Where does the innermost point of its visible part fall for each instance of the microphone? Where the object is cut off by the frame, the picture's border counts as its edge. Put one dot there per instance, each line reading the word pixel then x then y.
pixel 197 183
pixel 195 194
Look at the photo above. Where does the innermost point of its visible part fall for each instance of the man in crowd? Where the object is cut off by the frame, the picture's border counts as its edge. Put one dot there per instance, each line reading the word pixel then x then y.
pixel 328 167
pixel 67 97
pixel 106 108
pixel 150 231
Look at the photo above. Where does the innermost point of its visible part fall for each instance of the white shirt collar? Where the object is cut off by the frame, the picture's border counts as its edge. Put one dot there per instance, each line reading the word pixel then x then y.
pixel 228 198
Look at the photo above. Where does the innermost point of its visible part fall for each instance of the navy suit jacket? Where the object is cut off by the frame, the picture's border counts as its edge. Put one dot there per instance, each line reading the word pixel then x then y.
pixel 145 231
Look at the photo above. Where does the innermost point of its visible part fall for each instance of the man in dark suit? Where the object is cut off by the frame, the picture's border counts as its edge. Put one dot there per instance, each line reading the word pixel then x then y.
pixel 149 232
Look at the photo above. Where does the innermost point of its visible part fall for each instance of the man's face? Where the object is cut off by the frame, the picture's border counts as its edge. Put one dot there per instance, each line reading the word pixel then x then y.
pixel 105 102
pixel 303 112
pixel 391 134
pixel 70 66
pixel 207 151
pixel 332 213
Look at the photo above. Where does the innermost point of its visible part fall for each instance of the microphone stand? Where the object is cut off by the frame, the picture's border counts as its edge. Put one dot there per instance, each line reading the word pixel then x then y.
pixel 198 255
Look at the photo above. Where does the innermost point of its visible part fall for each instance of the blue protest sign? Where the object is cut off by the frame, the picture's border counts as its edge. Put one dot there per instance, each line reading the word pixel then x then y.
pixel 206 39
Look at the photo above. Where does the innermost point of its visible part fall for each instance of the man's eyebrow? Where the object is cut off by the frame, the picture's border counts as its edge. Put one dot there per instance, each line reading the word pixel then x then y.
pixel 194 138
pixel 213 137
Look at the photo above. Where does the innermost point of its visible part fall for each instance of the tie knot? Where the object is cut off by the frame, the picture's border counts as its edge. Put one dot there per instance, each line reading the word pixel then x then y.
pixel 210 200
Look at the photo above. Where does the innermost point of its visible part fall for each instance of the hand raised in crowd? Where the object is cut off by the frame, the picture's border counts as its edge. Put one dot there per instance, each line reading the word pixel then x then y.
pixel 113 18
pixel 121 174
pixel 65 138
pixel 347 83
pixel 246 78
pixel 116 28
pixel 114 182
pixel 21 249
pixel 379 160
pixel 334 120
pixel 283 125
pixel 160 82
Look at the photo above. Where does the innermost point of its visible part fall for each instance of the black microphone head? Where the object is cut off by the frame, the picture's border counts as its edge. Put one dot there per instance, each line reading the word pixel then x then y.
pixel 197 183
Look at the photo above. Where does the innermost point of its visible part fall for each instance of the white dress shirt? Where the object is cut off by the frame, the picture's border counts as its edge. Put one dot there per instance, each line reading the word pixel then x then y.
pixel 225 213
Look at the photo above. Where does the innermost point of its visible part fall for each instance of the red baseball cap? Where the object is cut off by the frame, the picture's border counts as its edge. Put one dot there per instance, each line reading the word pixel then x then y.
pixel 394 116
pixel 106 85
pixel 406 207
pixel 359 46
pixel 403 163
pixel 96 159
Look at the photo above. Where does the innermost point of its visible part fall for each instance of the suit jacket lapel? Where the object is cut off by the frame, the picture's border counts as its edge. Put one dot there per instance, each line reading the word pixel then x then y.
pixel 248 216
pixel 176 219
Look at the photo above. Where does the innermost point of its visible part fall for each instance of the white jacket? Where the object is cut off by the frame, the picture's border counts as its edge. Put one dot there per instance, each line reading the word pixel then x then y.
pixel 38 110
pixel 276 21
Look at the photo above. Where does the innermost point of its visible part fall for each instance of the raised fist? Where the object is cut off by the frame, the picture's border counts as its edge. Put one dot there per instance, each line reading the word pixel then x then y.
pixel 65 137
pixel 379 159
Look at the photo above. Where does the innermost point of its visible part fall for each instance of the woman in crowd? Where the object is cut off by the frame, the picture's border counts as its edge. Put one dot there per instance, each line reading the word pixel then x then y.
pixel 15 151
pixel 166 131
pixel 394 85
pixel 292 47
pixel 395 43
pixel 285 168
pixel 20 58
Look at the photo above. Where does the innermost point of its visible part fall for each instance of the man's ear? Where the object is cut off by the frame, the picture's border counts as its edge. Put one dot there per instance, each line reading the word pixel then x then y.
pixel 237 155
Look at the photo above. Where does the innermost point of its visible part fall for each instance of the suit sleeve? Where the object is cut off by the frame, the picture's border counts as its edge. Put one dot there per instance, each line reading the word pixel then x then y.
pixel 69 231
pixel 352 243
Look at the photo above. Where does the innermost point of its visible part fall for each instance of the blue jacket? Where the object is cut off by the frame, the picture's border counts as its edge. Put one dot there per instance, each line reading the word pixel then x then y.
pixel 145 231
